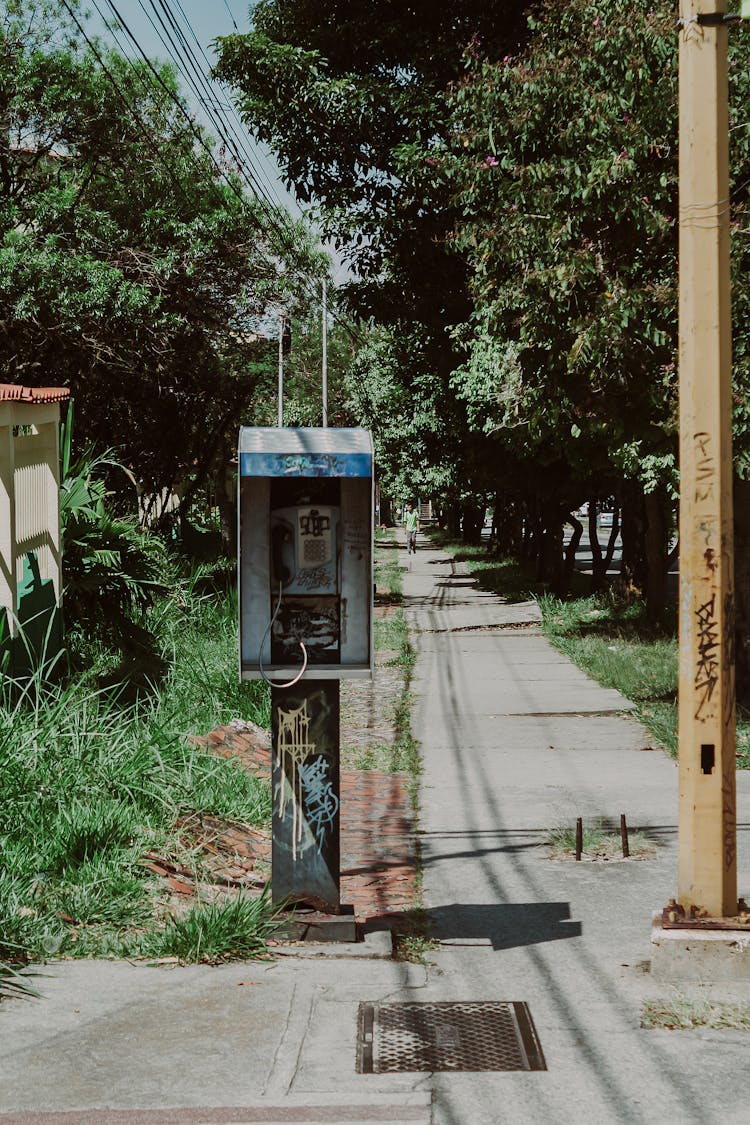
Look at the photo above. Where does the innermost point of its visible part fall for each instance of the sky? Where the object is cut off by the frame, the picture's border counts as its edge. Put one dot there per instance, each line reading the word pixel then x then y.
pixel 208 19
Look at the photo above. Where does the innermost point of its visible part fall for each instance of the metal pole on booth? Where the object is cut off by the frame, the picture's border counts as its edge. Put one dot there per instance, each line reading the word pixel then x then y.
pixel 325 357
pixel 306 797
pixel 281 370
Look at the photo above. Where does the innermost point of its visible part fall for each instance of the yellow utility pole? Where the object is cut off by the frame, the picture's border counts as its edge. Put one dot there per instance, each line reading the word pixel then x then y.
pixel 707 869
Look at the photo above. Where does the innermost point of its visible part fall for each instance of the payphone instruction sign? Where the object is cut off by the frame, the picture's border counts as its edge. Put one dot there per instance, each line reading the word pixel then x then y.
pixel 305 464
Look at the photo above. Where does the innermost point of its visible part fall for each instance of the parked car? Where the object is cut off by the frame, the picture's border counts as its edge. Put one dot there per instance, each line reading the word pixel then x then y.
pixel 606 519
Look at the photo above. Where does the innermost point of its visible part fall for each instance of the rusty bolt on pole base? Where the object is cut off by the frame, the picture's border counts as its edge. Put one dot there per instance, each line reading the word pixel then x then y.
pixel 674 916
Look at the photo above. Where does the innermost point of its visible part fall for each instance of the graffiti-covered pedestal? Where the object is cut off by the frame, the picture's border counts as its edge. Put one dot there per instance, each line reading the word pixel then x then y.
pixel 305 786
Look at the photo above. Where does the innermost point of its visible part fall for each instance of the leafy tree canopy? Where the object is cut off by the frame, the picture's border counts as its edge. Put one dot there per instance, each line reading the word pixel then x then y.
pixel 564 160
pixel 133 268
pixel 347 95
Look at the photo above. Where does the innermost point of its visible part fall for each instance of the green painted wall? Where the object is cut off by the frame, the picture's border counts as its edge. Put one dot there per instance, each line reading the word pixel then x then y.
pixel 39 638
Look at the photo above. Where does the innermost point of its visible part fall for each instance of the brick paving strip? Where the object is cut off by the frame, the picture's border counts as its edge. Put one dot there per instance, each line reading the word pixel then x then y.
pixel 378 839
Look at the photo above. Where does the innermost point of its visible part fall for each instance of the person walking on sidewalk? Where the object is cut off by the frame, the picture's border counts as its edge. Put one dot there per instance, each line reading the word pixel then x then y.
pixel 411 523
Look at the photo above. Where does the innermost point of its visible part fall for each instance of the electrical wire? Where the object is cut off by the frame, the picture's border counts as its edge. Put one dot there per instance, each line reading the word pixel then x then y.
pixel 123 97
pixel 185 61
pixel 306 281
pixel 231 14
pixel 178 57
pixel 300 674
pixel 240 129
pixel 179 104
pixel 287 247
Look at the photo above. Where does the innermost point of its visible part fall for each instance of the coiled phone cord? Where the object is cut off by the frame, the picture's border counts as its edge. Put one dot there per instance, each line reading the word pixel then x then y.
pixel 300 674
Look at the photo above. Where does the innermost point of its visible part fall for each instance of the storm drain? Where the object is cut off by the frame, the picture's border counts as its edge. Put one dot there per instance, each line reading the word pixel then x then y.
pixel 486 1035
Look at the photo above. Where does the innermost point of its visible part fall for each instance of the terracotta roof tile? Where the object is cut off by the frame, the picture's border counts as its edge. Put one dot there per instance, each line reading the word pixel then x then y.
pixel 12 392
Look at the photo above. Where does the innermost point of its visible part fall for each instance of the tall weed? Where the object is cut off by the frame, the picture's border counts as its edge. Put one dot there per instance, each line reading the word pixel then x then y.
pixel 90 782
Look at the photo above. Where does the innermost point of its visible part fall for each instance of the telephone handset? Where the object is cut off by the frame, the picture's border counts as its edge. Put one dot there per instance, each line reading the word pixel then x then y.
pixel 303 546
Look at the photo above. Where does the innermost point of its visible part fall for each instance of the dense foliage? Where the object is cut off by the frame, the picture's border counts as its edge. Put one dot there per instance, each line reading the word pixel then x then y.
pixel 344 93
pixel 90 785
pixel 509 184
pixel 132 267
pixel 565 160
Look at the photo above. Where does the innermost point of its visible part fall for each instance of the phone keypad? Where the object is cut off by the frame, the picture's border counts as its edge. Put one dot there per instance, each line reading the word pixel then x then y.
pixel 314 550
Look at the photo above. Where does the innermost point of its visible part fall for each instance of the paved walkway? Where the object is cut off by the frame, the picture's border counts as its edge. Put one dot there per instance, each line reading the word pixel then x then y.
pixel 515 740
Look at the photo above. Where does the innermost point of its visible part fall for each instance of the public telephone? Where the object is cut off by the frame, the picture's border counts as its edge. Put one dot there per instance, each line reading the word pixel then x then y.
pixel 304 548
pixel 305 605
pixel 305 553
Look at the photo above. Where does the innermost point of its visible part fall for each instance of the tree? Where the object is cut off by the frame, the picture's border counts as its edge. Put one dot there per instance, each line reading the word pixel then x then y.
pixel 564 163
pixel 133 268
pixel 347 95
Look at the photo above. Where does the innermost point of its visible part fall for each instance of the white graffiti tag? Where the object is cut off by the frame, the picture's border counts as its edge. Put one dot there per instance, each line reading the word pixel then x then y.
pixel 293 746
pixel 320 802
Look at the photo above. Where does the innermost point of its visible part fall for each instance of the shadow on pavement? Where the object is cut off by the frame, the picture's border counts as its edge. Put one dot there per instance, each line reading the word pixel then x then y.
pixel 506 925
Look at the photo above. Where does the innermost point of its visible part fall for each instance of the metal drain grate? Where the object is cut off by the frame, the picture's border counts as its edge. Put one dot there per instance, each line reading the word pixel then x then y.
pixel 486 1035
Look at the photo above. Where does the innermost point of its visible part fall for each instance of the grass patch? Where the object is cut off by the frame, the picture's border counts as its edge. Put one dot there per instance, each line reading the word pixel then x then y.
pixel 616 644
pixel 391 634
pixel 404 754
pixel 599 843
pixel 681 1014
pixel 90 784
pixel 411 937
pixel 219 931
pixel 15 982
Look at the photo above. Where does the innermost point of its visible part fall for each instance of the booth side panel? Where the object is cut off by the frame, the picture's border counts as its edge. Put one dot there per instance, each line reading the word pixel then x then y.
pixel 255 563
pixel 356 571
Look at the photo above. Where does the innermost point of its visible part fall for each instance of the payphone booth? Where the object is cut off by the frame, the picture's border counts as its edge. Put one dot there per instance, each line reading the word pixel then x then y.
pixel 305 590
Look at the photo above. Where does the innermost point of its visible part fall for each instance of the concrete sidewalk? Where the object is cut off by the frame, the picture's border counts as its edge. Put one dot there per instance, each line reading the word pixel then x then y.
pixel 515 740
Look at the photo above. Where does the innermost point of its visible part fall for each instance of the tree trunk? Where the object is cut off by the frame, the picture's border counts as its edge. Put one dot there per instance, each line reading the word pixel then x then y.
pixel 550 557
pixel 657 552
pixel 472 525
pixel 570 552
pixel 633 566
pixel 453 520
pixel 598 568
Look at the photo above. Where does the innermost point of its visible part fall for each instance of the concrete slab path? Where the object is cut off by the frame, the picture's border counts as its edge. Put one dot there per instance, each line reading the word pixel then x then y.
pixel 515 740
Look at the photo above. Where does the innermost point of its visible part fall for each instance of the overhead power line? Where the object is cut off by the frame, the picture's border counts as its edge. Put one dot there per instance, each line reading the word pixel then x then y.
pixel 241 130
pixel 200 84
pixel 183 111
pixel 272 230
pixel 215 105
